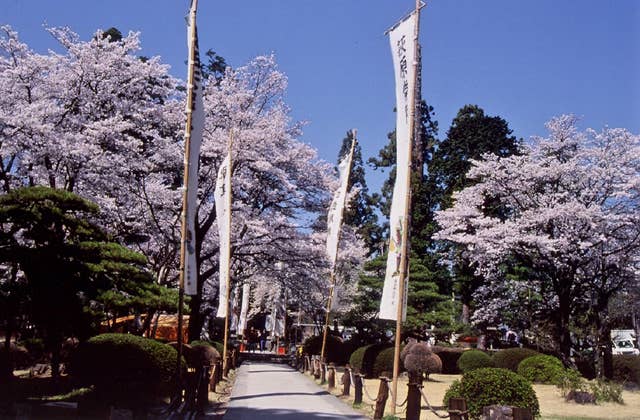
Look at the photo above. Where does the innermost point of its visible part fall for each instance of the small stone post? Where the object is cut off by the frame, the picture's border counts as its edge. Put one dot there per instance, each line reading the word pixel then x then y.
pixel 381 400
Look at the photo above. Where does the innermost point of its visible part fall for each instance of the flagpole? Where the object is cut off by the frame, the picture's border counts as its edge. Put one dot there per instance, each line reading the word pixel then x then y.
pixel 185 183
pixel 228 262
pixel 404 258
pixel 333 268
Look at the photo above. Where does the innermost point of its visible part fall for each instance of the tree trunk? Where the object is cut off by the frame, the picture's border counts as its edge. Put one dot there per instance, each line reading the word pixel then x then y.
pixel 55 359
pixel 465 313
pixel 562 331
pixel 605 351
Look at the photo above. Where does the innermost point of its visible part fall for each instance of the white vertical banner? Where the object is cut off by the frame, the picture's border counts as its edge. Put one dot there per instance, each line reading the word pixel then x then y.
pixel 404 55
pixel 193 134
pixel 220 194
pixel 242 324
pixel 334 217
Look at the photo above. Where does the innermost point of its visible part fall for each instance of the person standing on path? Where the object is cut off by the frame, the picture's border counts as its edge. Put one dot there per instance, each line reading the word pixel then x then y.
pixel 263 340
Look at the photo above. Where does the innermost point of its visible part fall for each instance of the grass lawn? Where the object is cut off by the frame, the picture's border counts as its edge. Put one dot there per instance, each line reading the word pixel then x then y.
pixel 552 405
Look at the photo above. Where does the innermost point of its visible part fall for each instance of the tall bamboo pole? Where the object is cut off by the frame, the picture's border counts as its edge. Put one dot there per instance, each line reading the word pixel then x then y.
pixel 333 269
pixel 228 262
pixel 404 258
pixel 185 183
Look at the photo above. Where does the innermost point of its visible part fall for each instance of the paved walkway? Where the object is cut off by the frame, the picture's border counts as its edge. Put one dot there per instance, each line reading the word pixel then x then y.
pixel 276 391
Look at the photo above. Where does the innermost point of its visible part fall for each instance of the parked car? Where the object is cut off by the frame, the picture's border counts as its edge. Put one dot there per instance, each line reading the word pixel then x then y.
pixel 624 342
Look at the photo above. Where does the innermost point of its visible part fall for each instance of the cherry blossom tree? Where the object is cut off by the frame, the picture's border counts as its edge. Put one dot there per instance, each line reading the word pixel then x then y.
pixel 569 219
pixel 100 121
pixel 279 187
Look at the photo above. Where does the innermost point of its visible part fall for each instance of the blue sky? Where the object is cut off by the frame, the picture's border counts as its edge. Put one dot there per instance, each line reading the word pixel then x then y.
pixel 525 61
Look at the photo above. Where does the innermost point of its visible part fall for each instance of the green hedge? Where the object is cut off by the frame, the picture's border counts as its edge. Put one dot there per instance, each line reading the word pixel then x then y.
pixel 335 352
pixel 126 370
pixel 383 365
pixel 364 358
pixel 511 358
pixel 474 359
pixel 449 357
pixel 626 368
pixel 489 386
pixel 541 369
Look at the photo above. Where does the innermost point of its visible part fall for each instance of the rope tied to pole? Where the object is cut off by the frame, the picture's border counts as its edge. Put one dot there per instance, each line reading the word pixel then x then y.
pixel 364 388
pixel 393 398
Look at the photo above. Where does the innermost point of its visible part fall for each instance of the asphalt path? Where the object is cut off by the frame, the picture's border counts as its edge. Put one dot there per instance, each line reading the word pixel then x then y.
pixel 276 391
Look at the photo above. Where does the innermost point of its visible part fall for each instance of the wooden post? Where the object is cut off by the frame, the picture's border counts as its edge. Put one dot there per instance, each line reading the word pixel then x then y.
pixel 346 380
pixel 218 371
pixel 381 400
pixel 520 413
pixel 357 385
pixel 404 252
pixel 323 372
pixel 456 405
pixel 226 368
pixel 414 398
pixel 185 182
pixel 225 345
pixel 331 377
pixel 316 368
pixel 213 377
pixel 202 393
pixel 335 258
pixel 190 391
pixel 234 358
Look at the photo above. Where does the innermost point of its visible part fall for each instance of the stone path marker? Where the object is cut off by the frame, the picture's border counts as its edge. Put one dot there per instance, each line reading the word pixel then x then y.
pixel 276 391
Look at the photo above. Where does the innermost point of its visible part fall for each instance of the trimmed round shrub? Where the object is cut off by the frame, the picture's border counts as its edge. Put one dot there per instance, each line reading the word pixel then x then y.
pixel 492 386
pixel 126 370
pixel 474 359
pixel 511 358
pixel 416 356
pixel 202 353
pixel 449 357
pixel 626 368
pixel 433 364
pixel 383 364
pixel 541 369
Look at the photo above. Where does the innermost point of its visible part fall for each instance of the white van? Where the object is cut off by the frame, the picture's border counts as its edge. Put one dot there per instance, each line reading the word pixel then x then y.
pixel 624 342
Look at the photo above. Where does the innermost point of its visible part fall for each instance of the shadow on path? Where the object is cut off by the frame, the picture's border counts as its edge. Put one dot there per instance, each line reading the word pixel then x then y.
pixel 273 394
pixel 250 413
